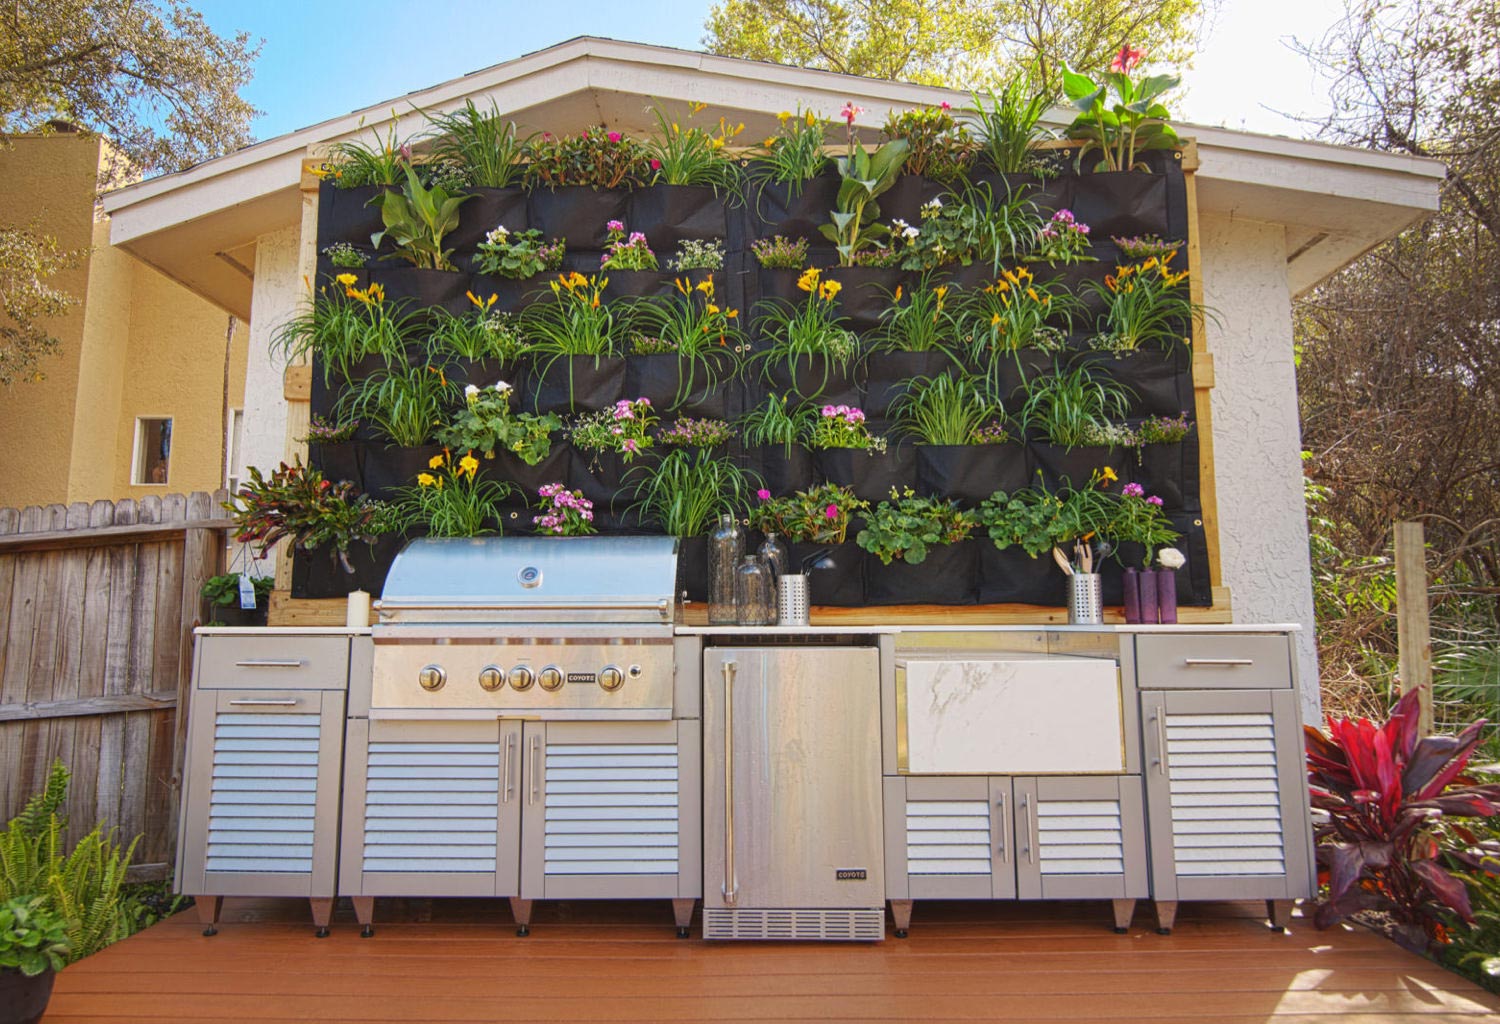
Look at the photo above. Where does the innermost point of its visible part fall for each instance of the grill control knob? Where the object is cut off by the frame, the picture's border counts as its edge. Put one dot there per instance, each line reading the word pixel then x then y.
pixel 611 678
pixel 550 678
pixel 432 677
pixel 521 678
pixel 491 678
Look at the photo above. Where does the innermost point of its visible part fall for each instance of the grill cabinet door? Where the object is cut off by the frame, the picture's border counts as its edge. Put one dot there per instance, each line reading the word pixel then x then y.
pixel 1225 790
pixel 262 809
pixel 1080 838
pixel 949 838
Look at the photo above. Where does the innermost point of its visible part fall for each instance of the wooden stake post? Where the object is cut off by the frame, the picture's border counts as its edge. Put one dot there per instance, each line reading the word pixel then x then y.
pixel 1413 630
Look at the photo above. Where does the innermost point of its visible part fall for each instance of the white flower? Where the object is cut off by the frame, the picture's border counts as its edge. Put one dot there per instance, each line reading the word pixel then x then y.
pixel 471 391
pixel 936 203
pixel 911 232
pixel 502 387
pixel 1171 558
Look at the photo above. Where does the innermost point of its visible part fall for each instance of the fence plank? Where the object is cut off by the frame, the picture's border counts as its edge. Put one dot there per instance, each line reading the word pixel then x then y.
pixel 10 734
pixel 137 738
pixel 68 656
pixel 116 668
pixel 83 793
pixel 1413 629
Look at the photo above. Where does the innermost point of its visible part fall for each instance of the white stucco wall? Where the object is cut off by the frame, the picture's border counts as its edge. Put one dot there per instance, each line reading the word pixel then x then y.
pixel 1257 434
pixel 276 294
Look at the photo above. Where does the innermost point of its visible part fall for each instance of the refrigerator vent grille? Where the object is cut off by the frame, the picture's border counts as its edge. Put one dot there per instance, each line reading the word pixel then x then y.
pixel 820 925
pixel 1226 801
pixel 265 781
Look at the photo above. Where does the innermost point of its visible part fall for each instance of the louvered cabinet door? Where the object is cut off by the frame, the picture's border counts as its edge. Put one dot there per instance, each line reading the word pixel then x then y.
pixel 262 811
pixel 432 809
pixel 612 810
pixel 1226 795
pixel 949 838
pixel 1080 838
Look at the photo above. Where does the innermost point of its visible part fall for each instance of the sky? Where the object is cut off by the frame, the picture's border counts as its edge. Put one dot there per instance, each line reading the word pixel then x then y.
pixel 322 60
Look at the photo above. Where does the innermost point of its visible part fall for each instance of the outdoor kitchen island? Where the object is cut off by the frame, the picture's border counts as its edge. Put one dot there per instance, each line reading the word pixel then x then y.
pixel 977 762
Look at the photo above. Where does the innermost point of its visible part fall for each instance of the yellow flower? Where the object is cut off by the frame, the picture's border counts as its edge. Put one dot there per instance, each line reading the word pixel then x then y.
pixel 1108 475
pixel 994 319
pixel 830 288
pixel 718 144
pixel 810 119
pixel 682 285
pixel 468 464
pixel 676 130
pixel 436 462
pixel 1032 295
pixel 770 142
pixel 809 279
pixel 706 286
pixel 426 479
pixel 710 309
pixel 697 107
pixel 940 291
pixel 376 292
pixel 897 296
pixel 731 313
pixel 784 116
pixel 346 279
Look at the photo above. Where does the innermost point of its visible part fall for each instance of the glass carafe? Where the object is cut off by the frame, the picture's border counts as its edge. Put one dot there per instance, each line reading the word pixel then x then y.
pixel 773 552
pixel 752 593
pixel 725 546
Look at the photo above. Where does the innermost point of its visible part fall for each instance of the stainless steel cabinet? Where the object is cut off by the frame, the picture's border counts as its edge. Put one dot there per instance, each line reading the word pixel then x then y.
pixel 261 781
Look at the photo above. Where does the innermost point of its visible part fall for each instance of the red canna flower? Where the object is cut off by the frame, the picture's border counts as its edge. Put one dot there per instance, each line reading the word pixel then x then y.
pixel 1126 60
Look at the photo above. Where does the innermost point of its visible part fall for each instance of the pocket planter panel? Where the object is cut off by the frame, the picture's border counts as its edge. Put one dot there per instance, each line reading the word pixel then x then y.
pixel 870 475
pixel 888 375
pixel 906 197
pixel 671 214
pixel 348 215
pixel 1122 203
pixel 841 584
pixel 971 473
pixel 570 384
pixel 318 573
pixel 1061 467
pixel 1011 576
pixel 866 292
pixel 603 478
pixel 484 211
pixel 1170 471
pixel 680 386
pixel 692 568
pixel 782 471
pixel 555 467
pixel 813 379
pixel 794 211
pixel 577 214
pixel 948 575
pixel 423 289
pixel 386 469
pixel 1158 380
pixel 511 294
pixel 636 284
pixel 345 461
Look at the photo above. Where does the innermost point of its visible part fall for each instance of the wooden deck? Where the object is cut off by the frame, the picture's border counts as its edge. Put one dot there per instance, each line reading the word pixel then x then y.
pixel 451 961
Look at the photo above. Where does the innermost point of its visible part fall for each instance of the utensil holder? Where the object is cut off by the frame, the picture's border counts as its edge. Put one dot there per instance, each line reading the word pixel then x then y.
pixel 791 599
pixel 1085 599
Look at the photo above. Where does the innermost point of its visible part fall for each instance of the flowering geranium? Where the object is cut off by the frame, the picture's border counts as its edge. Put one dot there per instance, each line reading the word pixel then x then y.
pixel 486 424
pixel 564 513
pixel 1063 239
pixel 627 253
pixel 518 254
pixel 1137 517
pixel 820 515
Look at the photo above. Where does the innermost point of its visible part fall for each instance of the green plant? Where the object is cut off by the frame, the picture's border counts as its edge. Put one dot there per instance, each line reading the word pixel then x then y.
pixel 938 147
pixel 321 431
pixel 1137 518
pixel 687 491
pixel 596 157
pixel 577 322
pixel 403 404
pixel 1391 796
pixel 691 324
pixel 223 591
pixel 697 254
pixel 691 155
pixel 624 428
pixel 1011 124
pixel 453 500
pixel 1039 521
pixel 298 504
pixel 812 329
pixel 976 225
pixel 943 410
pixel 842 426
pixel 1141 247
pixel 519 254
pixel 564 513
pixel 1134 122
pixel 1063 239
pixel 486 424
pixel 627 253
pixel 921 323
pixel 355 163
pixel 1065 404
pixel 482 143
pixel 338 327
pixel 344 256
pixel 33 937
pixel 416 220
pixel 1104 434
pixel 1162 430
pixel 482 333
pixel 1012 313
pixel 780 252
pixel 777 421
pixel 865 176
pixel 819 515
pixel 794 154
pixel 688 432
pixel 908 525
pixel 1145 304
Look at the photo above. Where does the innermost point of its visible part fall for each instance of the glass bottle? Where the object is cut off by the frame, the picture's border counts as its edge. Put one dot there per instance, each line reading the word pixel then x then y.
pixel 752 593
pixel 773 553
pixel 725 546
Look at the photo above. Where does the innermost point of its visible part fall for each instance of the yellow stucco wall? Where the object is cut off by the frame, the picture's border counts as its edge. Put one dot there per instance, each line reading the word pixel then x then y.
pixel 138 345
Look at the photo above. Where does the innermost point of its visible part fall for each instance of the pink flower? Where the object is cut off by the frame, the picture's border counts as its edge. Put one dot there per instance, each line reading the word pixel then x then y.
pixel 615 136
pixel 829 410
pixel 1133 491
pixel 1154 500
pixel 631 445
pixel 637 238
pixel 763 494
pixel 945 105
pixel 831 512
pixel 1126 60
pixel 655 164
pixel 546 136
pixel 850 112
pixel 614 225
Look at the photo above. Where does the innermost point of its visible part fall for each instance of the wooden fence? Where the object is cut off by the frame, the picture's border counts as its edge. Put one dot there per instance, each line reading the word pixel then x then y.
pixel 97 606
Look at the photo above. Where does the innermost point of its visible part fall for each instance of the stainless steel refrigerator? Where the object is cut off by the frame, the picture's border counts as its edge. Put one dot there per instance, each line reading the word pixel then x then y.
pixel 792 794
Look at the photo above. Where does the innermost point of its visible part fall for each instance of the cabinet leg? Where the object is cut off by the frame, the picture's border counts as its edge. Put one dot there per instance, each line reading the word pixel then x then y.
pixel 682 911
pixel 521 910
pixel 901 915
pixel 1166 915
pixel 1124 911
pixel 364 911
pixel 1280 913
pixel 322 913
pixel 208 908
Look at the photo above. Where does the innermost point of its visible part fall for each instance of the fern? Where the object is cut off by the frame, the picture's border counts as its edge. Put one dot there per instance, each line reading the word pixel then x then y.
pixel 48 803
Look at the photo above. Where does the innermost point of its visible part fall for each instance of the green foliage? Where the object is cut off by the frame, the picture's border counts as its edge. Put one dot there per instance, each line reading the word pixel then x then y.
pixel 28 300
pixel 780 252
pixel 417 219
pixel 1145 304
pixel 1134 122
pixel 791 156
pixel 1010 127
pixel 481 333
pixel 690 432
pixel 938 147
pixel 814 328
pixel 908 525
pixel 624 428
pixel 777 421
pixel 705 337
pixel 483 143
pixel 403 404
pixel 1066 404
pixel 943 410
pixel 33 937
pixel 1133 519
pixel 519 255
pixel 453 500
pixel 310 511
pixel 45 806
pixel 842 426
pixel 355 163
pixel 340 325
pixel 687 491
pixel 855 216
pixel 693 155
pixel 344 256
pixel 1038 521
pixel 578 322
pixel 596 157
pixel 698 254
pixel 486 424
pixel 918 321
pixel 223 591
pixel 819 515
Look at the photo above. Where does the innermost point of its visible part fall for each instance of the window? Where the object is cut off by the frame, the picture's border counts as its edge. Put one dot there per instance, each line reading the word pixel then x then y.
pixel 153 450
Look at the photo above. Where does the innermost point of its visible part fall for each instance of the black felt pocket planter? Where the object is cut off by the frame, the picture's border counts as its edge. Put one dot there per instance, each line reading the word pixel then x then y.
pixel 318 573
pixel 1073 467
pixel 671 214
pixel 870 475
pixel 678 385
pixel 1010 576
pixel 344 461
pixel 387 469
pixel 971 473
pixel 813 378
pixel 865 292
pixel 347 214
pixel 1121 203
pixel 906 197
pixel 782 471
pixel 484 211
pixel 1158 380
pixel 888 375
pixel 511 294
pixel 578 214
pixel 1170 471
pixel 948 575
pixel 842 581
pixel 421 289
pixel 796 211
pixel 569 384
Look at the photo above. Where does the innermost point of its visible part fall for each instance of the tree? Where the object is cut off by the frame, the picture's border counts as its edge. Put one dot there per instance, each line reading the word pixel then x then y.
pixel 151 77
pixel 963 44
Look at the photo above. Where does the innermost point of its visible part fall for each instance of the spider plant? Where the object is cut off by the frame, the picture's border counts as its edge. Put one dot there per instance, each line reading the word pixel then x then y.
pixel 1069 406
pixel 452 500
pixel 687 491
pixel 354 163
pixel 341 325
pixel 693 155
pixel 794 154
pixel 404 404
pixel 919 320
pixel 480 333
pixel 1004 226
pixel 577 322
pixel 1011 124
pixel 812 329
pixel 943 410
pixel 776 421
pixel 482 143
pixel 690 324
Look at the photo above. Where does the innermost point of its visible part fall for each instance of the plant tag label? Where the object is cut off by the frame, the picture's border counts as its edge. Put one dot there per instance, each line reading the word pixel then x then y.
pixel 247 593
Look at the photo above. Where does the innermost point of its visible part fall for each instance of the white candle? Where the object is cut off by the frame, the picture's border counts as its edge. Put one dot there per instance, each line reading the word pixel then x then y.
pixel 359 609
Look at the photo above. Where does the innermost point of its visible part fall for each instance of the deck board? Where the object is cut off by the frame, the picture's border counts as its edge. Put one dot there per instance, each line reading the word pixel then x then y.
pixel 455 961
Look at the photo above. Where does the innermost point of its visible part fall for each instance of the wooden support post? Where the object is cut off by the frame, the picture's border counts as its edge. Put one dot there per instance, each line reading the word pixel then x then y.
pixel 1413 631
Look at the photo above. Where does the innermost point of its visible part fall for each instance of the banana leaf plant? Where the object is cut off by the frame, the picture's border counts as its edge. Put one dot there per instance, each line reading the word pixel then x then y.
pixel 417 219
pixel 866 175
pixel 1392 798
pixel 1135 121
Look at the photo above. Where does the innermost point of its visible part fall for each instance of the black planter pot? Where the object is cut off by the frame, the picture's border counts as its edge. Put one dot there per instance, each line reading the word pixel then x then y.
pixel 577 214
pixel 318 574
pixel 670 214
pixel 604 479
pixel 887 375
pixel 675 385
pixel 421 289
pixel 870 476
pixel 577 383
pixel 843 583
pixel 486 373
pixel 1170 471
pixel 23 1000
pixel 555 467
pixel 1011 576
pixel 1048 194
pixel 778 209
pixel 1122 203
pixel 347 215
pixel 485 210
pixel 234 615
pixel 866 292
pixel 1158 379
pixel 1063 467
pixel 948 575
pixel 692 568
pixel 339 461
pixel 971 473
pixel 814 379
pixel 387 469
pixel 511 295
pixel 636 284
pixel 906 197
pixel 782 473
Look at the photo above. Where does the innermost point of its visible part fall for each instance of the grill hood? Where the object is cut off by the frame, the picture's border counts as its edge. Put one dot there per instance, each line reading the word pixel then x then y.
pixel 572 580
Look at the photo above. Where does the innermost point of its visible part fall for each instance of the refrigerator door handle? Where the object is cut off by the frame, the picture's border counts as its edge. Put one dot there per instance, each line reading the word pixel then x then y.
pixel 731 888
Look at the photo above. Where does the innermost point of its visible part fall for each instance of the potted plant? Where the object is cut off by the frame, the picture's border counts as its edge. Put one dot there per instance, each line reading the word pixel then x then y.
pixel 417 222
pixel 521 442
pixel 33 948
pixel 1137 528
pixel 816 521
pixel 564 513
pixel 401 406
pixel 773 434
pixel 939 152
pixel 508 262
pixel 969 235
pixel 693 433
pixel 811 351
pixel 222 593
pixel 355 173
pixel 1010 127
pixel 333 451
pixel 479 345
pixel 963 449
pixel 346 332
pixel 605 443
pixel 846 452
pixel 1165 464
pixel 633 268
pixel 790 189
pixel 451 499
pixel 487 151
pixel 684 347
pixel 693 176
pixel 1014 325
pixel 910 530
pixel 1069 417
pixel 578 182
pixel 1062 525
pixel 578 340
pixel 684 494
pixel 855 220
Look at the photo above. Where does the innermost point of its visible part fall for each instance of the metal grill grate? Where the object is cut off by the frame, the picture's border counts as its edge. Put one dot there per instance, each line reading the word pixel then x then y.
pixel 265 780
pixel 820 925
pixel 1226 807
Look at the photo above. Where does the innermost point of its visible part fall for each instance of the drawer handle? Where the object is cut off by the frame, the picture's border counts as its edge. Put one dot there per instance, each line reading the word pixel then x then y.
pixel 271 663
pixel 291 703
pixel 1216 662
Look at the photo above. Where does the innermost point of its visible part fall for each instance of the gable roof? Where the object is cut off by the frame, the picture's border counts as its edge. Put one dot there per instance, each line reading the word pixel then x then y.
pixel 199 226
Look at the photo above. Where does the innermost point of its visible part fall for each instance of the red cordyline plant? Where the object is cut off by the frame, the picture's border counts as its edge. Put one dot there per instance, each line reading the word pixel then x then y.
pixel 1391 797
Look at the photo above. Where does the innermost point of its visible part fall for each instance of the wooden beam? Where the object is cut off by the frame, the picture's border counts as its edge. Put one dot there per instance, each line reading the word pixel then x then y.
pixel 298 409
pixel 1413 630
pixel 104 536
pixel 296 383
pixel 1203 370
pixel 109 704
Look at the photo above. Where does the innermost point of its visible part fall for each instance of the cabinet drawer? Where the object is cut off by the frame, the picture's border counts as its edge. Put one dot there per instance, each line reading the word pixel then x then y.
pixel 273 662
pixel 1213 661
